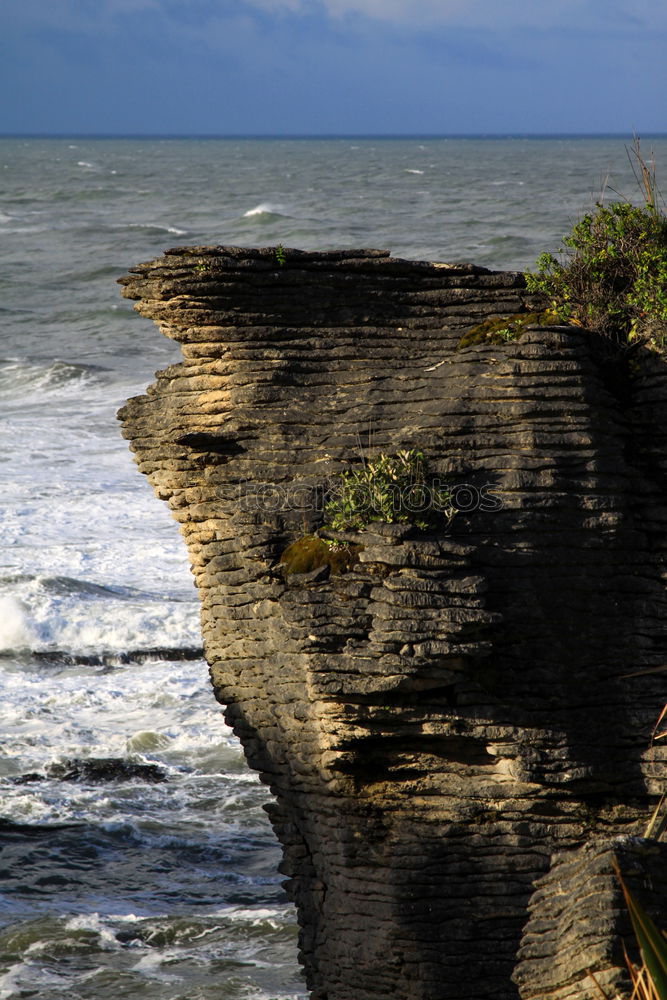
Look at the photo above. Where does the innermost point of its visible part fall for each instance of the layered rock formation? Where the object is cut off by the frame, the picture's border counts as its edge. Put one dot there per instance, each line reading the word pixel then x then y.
pixel 457 730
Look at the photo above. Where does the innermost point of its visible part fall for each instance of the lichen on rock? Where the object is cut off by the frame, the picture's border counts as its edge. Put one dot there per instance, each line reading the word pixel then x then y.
pixel 502 329
pixel 311 553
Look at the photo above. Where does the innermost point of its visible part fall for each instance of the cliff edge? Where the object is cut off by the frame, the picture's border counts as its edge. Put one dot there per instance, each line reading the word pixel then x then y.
pixel 457 731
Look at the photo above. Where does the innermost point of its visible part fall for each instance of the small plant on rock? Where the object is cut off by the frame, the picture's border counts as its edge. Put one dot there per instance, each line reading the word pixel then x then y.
pixel 280 255
pixel 390 488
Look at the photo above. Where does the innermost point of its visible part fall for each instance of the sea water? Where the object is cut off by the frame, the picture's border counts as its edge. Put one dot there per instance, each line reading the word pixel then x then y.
pixel 113 883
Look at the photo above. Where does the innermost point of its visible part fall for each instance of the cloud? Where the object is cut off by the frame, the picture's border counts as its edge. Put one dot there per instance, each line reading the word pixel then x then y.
pixel 601 15
pixel 416 16
pixel 414 12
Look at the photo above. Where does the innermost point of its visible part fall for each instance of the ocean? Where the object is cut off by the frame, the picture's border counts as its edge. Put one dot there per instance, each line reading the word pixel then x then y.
pixel 136 860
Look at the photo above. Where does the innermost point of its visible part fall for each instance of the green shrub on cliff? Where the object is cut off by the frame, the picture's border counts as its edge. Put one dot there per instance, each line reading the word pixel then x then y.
pixel 612 273
pixel 390 488
pixel 612 276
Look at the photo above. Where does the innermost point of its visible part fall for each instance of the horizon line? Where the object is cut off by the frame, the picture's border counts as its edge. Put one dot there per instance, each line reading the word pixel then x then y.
pixel 327 135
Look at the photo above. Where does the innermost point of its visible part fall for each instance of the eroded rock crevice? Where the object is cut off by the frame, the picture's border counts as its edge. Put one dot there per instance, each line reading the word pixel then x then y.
pixel 452 722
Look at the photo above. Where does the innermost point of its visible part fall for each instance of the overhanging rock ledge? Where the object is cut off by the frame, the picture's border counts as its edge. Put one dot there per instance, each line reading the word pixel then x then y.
pixel 455 749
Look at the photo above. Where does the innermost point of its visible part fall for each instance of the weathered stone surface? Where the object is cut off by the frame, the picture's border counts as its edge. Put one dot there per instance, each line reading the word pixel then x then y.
pixel 453 719
pixel 579 923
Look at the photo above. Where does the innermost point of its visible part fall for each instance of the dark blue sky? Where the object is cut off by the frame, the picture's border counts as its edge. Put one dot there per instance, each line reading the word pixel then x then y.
pixel 332 66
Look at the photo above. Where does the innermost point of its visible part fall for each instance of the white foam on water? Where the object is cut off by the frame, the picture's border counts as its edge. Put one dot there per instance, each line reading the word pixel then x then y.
pixel 15 632
pixel 38 614
pixel 51 714
pixel 106 939
pixel 264 208
pixel 283 996
pixel 11 981
pixel 150 965
pixel 94 561
pixel 97 710
pixel 158 228
pixel 18 376
pixel 28 979
pixel 254 916
pixel 414 171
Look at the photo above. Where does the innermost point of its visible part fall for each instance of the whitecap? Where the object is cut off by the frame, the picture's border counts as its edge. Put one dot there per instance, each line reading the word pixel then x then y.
pixel 4 218
pixel 155 227
pixel 264 208
pixel 11 981
pixel 85 163
pixel 92 922
pixel 15 633
pixel 63 617
pixel 150 965
pixel 274 918
pixel 414 171
pixel 17 374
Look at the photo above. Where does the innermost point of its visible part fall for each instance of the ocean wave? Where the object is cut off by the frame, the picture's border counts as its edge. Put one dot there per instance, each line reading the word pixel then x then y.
pixel 64 621
pixel 266 210
pixel 17 375
pixel 512 240
pixel 154 227
pixel 15 632
pixel 95 955
pixel 253 916
pixel 414 171
pixel 67 585
pixel 72 585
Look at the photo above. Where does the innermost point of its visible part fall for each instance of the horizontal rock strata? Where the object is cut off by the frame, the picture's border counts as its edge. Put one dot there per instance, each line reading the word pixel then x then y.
pixel 466 707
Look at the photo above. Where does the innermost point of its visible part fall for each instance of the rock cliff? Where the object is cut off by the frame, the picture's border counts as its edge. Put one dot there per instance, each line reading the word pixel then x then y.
pixel 457 731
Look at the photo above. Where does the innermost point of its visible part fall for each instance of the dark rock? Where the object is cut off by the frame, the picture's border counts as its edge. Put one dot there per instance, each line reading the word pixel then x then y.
pixel 101 769
pixel 452 719
pixel 113 659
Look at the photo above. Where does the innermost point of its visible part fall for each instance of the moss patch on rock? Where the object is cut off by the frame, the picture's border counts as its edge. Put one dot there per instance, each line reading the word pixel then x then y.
pixel 502 329
pixel 311 553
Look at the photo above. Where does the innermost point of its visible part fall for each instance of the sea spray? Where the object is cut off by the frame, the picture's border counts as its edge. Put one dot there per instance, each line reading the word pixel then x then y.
pixel 15 632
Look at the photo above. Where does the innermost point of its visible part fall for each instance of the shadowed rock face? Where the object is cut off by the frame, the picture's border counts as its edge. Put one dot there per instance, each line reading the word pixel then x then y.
pixel 448 728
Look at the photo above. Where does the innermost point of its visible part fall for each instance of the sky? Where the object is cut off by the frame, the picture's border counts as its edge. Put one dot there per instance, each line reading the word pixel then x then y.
pixel 322 67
